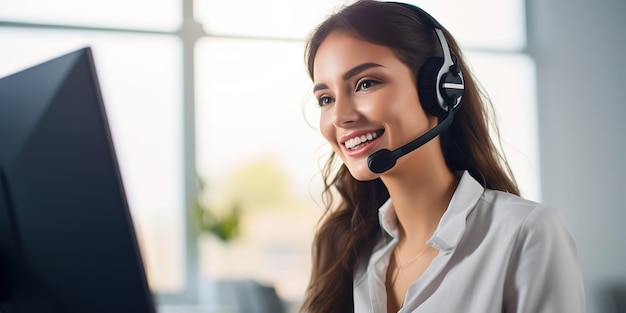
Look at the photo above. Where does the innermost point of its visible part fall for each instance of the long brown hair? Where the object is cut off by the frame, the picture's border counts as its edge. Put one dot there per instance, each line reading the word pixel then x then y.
pixel 349 229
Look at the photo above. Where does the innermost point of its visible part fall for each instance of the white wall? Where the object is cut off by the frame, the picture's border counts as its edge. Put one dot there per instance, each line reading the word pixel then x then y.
pixel 579 48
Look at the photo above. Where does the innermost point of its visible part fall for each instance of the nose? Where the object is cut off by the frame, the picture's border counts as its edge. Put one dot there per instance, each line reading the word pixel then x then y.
pixel 345 112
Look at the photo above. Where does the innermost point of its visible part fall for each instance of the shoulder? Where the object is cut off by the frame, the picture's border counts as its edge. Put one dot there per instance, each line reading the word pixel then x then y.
pixel 529 214
pixel 505 200
pixel 537 232
pixel 527 221
pixel 543 274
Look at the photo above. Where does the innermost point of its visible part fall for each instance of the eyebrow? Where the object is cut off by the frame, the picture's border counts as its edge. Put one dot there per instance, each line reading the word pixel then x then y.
pixel 349 74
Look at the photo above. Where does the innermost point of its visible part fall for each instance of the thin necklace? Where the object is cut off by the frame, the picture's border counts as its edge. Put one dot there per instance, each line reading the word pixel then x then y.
pixel 419 255
pixel 400 269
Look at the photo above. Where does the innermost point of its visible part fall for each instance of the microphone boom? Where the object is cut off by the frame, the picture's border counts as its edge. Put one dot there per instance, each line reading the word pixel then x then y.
pixel 383 160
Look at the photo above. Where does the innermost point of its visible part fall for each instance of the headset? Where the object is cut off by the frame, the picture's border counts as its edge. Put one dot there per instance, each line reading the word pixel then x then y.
pixel 440 87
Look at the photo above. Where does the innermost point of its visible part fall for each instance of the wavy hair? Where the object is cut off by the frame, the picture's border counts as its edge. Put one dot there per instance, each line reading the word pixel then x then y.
pixel 349 228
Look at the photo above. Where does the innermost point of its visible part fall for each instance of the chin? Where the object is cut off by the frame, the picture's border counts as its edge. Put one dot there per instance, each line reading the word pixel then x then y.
pixel 361 172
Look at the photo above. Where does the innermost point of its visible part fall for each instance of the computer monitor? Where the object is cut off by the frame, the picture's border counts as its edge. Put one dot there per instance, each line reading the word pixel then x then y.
pixel 67 241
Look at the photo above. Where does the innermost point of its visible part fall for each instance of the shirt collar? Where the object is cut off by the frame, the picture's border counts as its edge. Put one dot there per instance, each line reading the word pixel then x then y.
pixel 453 222
pixel 387 218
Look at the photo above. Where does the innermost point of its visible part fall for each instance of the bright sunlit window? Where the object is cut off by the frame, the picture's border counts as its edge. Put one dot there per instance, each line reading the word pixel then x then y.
pixel 281 19
pixel 255 149
pixel 164 15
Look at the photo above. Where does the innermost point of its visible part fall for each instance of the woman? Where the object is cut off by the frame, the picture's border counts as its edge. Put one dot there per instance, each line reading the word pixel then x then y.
pixel 435 226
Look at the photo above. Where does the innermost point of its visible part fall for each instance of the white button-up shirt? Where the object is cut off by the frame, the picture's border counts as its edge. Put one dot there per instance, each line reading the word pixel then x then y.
pixel 497 253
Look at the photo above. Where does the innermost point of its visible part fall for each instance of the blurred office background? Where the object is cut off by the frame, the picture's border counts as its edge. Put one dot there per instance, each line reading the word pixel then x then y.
pixel 216 91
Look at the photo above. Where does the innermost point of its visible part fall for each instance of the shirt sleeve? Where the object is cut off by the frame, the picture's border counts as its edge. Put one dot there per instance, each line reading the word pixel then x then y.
pixel 544 275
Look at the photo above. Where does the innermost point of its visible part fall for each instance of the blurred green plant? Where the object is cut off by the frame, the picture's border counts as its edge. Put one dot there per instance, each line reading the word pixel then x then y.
pixel 225 226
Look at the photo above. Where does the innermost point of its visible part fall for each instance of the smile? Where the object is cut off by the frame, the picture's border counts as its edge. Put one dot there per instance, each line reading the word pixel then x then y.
pixel 359 141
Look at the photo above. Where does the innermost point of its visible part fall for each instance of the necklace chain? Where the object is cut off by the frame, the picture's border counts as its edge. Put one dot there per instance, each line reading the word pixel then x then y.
pixel 400 268
pixel 419 255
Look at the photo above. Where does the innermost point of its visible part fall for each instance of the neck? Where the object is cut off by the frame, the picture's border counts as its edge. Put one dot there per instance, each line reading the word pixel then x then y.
pixel 421 189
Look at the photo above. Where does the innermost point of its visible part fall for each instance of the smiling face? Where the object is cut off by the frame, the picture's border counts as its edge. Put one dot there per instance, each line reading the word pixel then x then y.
pixel 368 101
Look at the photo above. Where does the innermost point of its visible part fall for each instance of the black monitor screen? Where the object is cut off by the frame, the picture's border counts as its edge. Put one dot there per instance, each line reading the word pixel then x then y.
pixel 67 242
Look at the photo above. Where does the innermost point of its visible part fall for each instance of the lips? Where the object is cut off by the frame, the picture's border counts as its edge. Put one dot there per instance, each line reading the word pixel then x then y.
pixel 362 140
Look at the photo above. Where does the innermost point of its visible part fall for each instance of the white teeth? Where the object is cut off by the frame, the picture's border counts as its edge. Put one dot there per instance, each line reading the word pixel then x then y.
pixel 352 143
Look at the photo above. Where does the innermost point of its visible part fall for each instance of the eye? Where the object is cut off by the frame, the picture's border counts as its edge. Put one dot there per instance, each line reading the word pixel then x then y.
pixel 324 101
pixel 366 84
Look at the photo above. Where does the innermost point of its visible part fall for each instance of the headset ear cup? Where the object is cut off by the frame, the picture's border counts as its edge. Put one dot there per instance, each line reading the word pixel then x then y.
pixel 427 87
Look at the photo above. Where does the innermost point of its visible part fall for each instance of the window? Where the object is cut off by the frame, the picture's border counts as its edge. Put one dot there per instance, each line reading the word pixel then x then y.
pixel 164 15
pixel 255 149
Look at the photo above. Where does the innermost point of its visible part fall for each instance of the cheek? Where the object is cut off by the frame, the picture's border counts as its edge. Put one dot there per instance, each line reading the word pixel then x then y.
pixel 404 117
pixel 326 127
pixel 395 109
pixel 394 102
